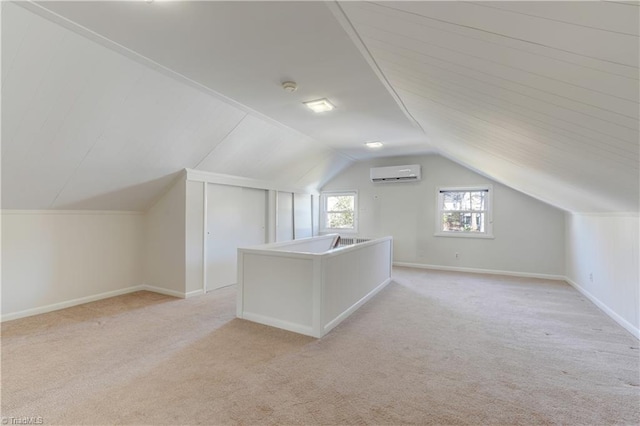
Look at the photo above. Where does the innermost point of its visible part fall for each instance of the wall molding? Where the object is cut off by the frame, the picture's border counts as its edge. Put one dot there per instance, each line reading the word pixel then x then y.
pixel 607 310
pixel 69 303
pixel 222 179
pixel 481 271
pixel 194 293
pixel 94 298
pixel 74 212
pixel 165 291
pixel 605 214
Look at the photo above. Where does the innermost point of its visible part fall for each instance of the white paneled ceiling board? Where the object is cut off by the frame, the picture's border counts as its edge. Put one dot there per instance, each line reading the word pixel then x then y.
pixel 542 96
pixel 104 102
pixel 245 50
pixel 85 127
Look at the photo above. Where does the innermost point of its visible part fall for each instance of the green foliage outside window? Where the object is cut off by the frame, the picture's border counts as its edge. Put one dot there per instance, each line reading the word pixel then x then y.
pixel 340 212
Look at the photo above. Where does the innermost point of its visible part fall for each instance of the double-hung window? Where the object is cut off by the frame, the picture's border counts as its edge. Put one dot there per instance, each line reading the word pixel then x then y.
pixel 339 211
pixel 465 212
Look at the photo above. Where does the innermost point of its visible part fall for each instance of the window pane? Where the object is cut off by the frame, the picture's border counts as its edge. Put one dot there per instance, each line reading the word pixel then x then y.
pixel 463 222
pixel 452 200
pixel 340 220
pixel 477 200
pixel 340 202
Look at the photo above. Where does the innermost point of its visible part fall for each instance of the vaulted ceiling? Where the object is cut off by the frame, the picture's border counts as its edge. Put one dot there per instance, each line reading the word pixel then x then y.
pixel 104 102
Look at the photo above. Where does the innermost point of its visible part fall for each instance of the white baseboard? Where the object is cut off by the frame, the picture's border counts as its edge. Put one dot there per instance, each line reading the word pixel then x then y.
pixel 70 303
pixel 164 291
pixel 278 323
pixel 193 293
pixel 481 271
pixel 607 310
pixel 94 298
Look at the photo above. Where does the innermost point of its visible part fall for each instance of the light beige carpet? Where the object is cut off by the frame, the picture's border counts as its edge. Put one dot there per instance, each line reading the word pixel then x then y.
pixel 432 348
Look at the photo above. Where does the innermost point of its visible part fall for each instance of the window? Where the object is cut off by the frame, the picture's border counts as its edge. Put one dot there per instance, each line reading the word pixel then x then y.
pixel 464 212
pixel 339 211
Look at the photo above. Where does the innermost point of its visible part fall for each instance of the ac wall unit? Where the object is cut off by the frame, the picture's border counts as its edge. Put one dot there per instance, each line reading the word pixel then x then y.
pixel 409 173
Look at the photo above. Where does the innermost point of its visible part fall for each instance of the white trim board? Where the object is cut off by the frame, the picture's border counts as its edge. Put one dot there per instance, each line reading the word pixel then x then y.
pixel 94 298
pixel 69 303
pixel 605 214
pixel 481 271
pixel 607 310
pixel 74 212
pixel 222 179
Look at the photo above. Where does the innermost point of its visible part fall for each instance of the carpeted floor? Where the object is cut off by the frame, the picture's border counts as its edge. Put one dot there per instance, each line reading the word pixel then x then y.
pixel 432 348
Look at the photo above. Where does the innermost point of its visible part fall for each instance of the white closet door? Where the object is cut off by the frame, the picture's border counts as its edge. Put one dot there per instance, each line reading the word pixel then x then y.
pixel 284 224
pixel 235 218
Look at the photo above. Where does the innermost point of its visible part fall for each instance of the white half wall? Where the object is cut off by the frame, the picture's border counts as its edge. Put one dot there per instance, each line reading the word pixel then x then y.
pixel 529 234
pixel 55 259
pixel 602 263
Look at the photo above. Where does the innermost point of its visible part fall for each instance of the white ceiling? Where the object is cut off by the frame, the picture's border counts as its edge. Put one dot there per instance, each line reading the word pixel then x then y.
pixel 245 50
pixel 541 96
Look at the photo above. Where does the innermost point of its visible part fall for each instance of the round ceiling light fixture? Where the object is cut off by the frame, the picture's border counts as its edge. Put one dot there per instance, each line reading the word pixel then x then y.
pixel 290 86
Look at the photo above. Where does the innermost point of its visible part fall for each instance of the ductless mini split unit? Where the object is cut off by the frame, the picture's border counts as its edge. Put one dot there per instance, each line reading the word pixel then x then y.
pixel 393 174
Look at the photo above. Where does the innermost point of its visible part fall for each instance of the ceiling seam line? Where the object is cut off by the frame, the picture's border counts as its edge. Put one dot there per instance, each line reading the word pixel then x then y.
pixel 498 63
pixel 86 154
pixel 524 95
pixel 105 42
pixel 509 81
pixel 493 124
pixel 343 19
pixel 623 3
pixel 504 46
pixel 500 143
pixel 546 18
pixel 19 122
pixel 444 87
pixel 221 140
pixel 505 36
pixel 12 61
pixel 557 130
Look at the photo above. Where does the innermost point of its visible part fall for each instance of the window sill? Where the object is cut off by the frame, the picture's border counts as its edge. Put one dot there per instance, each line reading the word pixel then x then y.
pixel 464 235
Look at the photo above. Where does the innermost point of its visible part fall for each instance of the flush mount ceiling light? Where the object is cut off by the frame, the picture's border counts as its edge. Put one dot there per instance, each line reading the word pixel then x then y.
pixel 373 144
pixel 321 105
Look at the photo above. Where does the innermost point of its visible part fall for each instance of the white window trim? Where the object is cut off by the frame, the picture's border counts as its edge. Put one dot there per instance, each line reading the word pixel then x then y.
pixel 323 211
pixel 461 234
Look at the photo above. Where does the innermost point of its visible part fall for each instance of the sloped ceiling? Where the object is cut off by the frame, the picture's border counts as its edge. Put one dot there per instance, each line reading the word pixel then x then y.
pixel 85 127
pixel 103 102
pixel 542 96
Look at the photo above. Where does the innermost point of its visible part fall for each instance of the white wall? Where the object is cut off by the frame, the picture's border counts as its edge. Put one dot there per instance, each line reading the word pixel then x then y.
pixel 602 262
pixel 302 216
pixel 194 237
pixel 165 242
pixel 529 234
pixel 56 259
pixel 284 216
